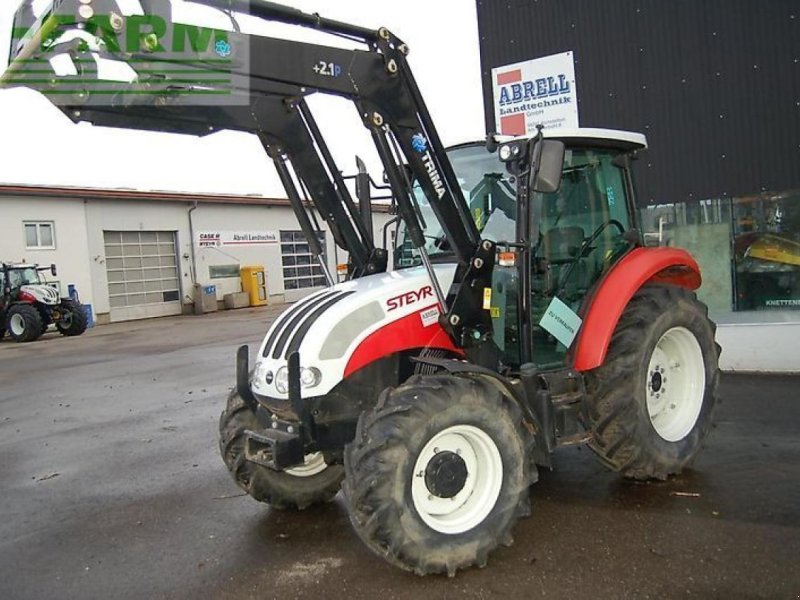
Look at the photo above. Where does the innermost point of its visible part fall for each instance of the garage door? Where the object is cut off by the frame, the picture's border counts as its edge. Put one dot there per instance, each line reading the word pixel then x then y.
pixel 302 274
pixel 142 269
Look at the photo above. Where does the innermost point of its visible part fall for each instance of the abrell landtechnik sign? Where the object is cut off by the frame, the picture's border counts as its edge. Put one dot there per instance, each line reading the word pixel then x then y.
pixel 536 92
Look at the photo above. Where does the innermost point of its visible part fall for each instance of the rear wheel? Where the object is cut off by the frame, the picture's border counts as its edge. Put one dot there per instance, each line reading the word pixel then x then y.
pixel 73 320
pixel 651 403
pixel 24 323
pixel 314 482
pixel 438 473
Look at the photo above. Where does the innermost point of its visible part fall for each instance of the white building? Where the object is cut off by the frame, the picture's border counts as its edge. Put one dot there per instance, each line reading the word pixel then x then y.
pixel 133 254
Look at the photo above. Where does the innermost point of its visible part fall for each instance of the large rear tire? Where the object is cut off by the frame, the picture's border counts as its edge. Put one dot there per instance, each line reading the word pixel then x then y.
pixel 24 323
pixel 315 482
pixel 651 403
pixel 74 321
pixel 438 473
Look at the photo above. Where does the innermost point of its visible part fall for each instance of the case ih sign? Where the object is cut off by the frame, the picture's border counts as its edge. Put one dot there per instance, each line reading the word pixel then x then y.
pixel 214 239
pixel 534 92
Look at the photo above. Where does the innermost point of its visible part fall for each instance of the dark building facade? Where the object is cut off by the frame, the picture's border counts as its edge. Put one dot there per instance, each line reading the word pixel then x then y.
pixel 715 87
pixel 714 84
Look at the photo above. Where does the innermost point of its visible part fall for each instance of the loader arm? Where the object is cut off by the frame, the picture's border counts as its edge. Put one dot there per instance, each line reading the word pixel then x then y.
pixel 260 88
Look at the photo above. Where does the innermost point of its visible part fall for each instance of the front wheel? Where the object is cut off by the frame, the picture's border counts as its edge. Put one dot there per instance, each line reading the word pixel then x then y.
pixel 24 323
pixel 651 402
pixel 438 473
pixel 73 320
pixel 298 488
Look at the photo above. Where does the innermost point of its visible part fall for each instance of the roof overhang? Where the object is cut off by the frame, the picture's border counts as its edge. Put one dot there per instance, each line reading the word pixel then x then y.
pixel 625 141
pixel 606 138
pixel 123 195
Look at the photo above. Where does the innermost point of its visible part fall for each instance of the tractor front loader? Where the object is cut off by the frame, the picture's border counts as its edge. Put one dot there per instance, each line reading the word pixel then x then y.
pixel 523 313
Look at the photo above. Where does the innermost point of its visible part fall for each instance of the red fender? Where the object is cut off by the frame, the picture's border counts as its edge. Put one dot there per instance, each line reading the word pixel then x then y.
pixel 638 267
pixel 406 333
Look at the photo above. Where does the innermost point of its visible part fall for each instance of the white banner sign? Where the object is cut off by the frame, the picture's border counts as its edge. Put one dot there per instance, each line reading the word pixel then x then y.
pixel 535 92
pixel 214 239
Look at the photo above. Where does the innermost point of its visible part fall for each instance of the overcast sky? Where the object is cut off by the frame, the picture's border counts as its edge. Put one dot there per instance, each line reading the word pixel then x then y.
pixel 443 37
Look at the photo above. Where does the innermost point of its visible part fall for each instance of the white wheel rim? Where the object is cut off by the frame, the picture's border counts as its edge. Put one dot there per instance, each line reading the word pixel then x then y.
pixel 17 324
pixel 314 464
pixel 676 382
pixel 476 499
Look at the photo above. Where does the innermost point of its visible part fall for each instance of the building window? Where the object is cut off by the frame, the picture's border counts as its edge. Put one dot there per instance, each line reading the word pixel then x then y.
pixel 300 269
pixel 40 235
pixel 224 272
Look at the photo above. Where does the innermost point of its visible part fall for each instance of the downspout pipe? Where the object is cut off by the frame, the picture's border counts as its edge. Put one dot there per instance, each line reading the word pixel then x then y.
pixel 191 233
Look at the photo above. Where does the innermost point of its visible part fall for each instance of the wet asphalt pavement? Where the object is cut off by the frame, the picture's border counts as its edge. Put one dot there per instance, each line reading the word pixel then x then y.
pixel 112 487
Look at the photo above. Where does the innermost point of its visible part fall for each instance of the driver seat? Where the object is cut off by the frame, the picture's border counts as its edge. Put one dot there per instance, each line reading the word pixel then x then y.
pixel 562 245
pixel 560 253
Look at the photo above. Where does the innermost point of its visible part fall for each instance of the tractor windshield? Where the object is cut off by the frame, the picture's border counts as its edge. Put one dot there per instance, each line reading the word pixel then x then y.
pixel 25 276
pixel 488 189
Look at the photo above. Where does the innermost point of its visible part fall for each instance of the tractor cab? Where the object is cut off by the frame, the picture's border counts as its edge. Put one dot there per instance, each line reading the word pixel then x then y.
pixel 576 233
pixel 24 277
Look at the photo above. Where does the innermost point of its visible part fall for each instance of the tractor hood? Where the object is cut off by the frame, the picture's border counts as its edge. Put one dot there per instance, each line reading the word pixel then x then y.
pixel 41 293
pixel 345 327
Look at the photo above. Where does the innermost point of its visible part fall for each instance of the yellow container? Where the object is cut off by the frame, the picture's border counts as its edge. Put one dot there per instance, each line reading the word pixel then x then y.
pixel 254 283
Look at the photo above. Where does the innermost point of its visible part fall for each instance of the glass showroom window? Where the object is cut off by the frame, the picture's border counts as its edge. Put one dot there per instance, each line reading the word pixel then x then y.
pixel 704 229
pixel 766 249
pixel 40 235
pixel 748 247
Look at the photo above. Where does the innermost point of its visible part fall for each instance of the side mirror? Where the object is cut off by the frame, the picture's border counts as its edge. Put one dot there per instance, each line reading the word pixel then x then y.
pixel 546 174
pixel 53 269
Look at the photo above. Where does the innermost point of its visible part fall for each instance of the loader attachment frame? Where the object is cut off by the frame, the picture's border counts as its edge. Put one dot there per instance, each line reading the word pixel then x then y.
pixel 265 95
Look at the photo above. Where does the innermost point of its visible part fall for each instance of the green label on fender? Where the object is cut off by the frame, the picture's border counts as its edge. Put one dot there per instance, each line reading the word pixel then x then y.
pixel 561 322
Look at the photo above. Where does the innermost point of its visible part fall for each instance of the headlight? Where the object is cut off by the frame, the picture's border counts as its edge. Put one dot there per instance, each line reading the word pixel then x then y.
pixel 282 380
pixel 310 377
pixel 505 153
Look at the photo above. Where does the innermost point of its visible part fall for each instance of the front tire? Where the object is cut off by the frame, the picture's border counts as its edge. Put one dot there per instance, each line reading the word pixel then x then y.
pixel 74 321
pixel 314 482
pixel 651 403
pixel 24 323
pixel 438 473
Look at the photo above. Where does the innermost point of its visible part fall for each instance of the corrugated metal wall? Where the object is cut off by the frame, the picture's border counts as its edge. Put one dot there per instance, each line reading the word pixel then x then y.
pixel 714 84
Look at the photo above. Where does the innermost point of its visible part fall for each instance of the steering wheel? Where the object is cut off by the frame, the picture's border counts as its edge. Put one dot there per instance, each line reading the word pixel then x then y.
pixel 585 249
pixel 596 234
